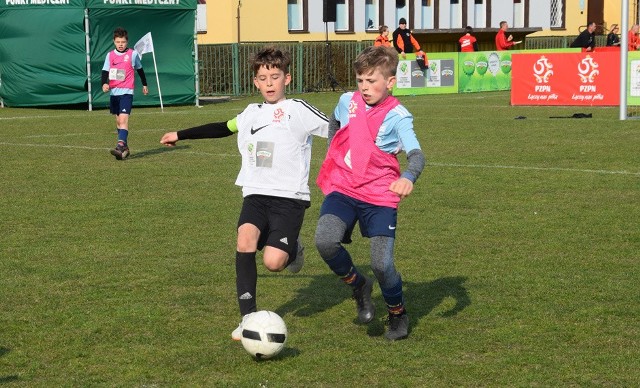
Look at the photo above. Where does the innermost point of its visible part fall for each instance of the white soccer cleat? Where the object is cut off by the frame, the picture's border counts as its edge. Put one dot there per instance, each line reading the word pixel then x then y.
pixel 236 335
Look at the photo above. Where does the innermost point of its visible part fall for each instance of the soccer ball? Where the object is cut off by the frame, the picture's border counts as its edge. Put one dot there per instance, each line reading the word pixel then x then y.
pixel 264 334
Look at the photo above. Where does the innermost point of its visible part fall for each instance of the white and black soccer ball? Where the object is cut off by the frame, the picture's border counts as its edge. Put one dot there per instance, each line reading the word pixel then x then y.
pixel 264 334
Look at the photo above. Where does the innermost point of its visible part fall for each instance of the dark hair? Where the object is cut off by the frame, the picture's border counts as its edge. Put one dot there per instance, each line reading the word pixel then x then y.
pixel 120 33
pixel 468 29
pixel 269 57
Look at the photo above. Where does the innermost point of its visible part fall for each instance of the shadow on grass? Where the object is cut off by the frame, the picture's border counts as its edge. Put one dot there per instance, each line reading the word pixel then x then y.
pixel 7 379
pixel 326 291
pixel 156 151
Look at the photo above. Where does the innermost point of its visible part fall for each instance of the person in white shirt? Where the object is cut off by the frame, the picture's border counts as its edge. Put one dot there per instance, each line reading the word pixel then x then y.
pixel 274 139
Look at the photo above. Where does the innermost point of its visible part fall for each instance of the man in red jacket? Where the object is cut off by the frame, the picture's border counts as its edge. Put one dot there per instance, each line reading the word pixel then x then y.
pixel 503 42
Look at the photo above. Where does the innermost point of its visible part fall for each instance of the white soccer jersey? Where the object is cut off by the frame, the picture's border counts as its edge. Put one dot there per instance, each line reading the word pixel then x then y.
pixel 275 143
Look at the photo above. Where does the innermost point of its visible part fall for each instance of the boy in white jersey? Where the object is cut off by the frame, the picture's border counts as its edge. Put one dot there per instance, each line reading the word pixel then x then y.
pixel 118 79
pixel 362 182
pixel 274 139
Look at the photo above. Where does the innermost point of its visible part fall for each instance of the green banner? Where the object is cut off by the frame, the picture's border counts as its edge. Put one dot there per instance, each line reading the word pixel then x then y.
pixel 439 78
pixel 33 4
pixel 145 4
pixel 633 78
pixel 483 71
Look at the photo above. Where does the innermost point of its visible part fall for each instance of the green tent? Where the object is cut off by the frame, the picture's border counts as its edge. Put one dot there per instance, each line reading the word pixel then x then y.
pixel 52 51
pixel 42 53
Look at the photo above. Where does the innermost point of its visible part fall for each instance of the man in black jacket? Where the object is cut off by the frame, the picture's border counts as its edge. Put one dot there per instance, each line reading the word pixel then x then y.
pixel 587 38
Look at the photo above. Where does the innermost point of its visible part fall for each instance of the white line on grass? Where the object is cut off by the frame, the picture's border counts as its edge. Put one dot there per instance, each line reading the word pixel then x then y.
pixel 100 132
pixel 456 165
pixel 179 112
pixel 102 149
pixel 535 168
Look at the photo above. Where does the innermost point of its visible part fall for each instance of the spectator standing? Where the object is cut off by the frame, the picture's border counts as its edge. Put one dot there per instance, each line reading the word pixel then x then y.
pixel 504 41
pixel 633 42
pixel 587 38
pixel 383 38
pixel 468 42
pixel 612 38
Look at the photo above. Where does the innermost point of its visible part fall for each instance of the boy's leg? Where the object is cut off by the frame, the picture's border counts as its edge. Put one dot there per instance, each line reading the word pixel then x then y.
pixel 337 219
pixel 379 224
pixel 282 248
pixel 121 107
pixel 250 220
pixel 382 263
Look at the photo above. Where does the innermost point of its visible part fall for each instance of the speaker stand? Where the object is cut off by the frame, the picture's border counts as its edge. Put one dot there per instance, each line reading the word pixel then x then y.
pixel 329 79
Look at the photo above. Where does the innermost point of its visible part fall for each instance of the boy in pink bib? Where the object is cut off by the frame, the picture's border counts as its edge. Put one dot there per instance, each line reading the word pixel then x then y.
pixel 361 179
pixel 118 78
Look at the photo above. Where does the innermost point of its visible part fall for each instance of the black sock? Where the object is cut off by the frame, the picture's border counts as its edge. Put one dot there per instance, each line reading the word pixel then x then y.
pixel 246 279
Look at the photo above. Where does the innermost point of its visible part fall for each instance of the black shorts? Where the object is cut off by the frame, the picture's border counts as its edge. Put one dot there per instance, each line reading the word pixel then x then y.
pixel 278 219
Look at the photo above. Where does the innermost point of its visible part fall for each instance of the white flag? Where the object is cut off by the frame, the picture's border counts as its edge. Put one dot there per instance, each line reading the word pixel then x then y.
pixel 144 45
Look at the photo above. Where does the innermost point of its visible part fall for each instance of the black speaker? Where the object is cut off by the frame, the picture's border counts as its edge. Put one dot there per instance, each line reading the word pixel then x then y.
pixel 329 10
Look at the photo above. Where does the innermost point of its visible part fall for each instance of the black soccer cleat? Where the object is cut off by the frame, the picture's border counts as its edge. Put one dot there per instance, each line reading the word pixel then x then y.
pixel 398 327
pixel 362 295
pixel 121 151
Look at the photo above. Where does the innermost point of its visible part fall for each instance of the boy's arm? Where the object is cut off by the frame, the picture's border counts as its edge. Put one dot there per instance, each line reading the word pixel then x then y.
pixel 334 125
pixel 415 164
pixel 404 185
pixel 206 131
pixel 143 77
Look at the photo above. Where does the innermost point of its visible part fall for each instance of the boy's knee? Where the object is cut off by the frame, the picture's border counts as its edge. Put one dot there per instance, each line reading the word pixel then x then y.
pixel 329 233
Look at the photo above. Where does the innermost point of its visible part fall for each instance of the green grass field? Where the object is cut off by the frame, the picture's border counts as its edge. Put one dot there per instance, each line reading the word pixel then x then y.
pixel 519 249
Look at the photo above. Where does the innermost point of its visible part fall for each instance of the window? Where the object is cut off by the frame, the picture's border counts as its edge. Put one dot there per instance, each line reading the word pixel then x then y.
pixel 479 16
pixel 518 13
pixel 343 15
pixel 402 11
pixel 426 9
pixel 296 11
pixel 557 13
pixel 201 16
pixel 455 14
pixel 371 15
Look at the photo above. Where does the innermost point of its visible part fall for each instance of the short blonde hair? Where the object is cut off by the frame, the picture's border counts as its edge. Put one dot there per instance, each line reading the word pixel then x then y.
pixel 382 58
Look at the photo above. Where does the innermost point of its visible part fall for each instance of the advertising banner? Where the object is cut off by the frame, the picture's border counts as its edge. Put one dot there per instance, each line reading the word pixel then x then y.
pixel 566 79
pixel 633 75
pixel 439 78
pixel 483 71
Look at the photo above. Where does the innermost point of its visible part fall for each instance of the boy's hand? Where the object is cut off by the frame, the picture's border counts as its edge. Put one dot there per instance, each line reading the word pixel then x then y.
pixel 145 90
pixel 105 87
pixel 169 139
pixel 402 187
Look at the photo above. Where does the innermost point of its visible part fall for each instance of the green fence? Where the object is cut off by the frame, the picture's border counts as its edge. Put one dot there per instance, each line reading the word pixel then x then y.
pixel 224 69
pixel 316 66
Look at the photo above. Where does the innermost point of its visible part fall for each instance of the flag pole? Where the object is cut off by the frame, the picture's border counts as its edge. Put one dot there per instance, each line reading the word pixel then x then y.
pixel 153 53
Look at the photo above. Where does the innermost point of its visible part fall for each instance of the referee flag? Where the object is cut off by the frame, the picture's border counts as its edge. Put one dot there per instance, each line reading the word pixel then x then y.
pixel 145 44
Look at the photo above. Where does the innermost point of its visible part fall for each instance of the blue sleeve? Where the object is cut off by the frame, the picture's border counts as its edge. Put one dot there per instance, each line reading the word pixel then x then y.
pixel 137 64
pixel 407 135
pixel 105 66
pixel 341 113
